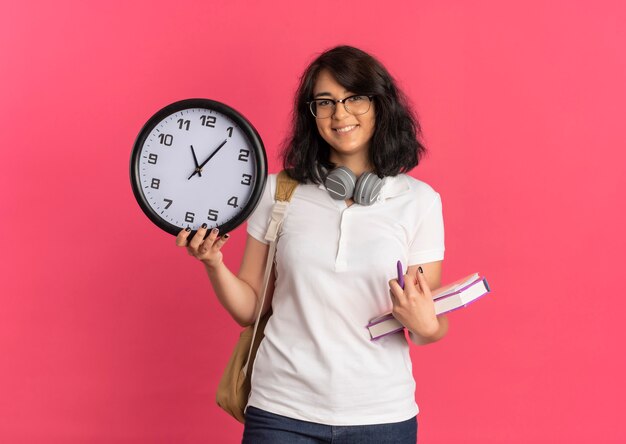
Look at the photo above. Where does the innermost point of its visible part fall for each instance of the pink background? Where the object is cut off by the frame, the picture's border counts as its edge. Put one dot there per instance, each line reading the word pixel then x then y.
pixel 110 334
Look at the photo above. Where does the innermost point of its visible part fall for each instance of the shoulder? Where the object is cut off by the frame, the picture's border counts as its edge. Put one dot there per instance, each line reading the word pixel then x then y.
pixel 268 197
pixel 420 188
pixel 271 179
pixel 419 198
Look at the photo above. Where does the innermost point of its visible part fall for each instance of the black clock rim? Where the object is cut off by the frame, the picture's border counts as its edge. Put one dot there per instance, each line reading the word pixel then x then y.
pixel 249 131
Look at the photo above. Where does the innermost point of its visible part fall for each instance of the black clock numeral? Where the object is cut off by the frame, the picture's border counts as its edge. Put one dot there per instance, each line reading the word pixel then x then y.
pixel 152 158
pixel 230 131
pixel 213 215
pixel 184 123
pixel 155 183
pixel 169 203
pixel 243 155
pixel 208 121
pixel 166 139
pixel 189 216
pixel 246 179
pixel 233 202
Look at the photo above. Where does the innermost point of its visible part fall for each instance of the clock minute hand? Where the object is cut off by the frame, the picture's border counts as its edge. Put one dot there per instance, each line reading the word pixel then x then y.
pixel 199 167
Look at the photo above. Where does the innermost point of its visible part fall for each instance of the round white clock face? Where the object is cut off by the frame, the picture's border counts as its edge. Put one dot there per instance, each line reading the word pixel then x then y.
pixel 198 162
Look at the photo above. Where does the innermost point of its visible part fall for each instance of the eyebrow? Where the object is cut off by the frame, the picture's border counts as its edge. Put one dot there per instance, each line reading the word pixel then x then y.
pixel 323 93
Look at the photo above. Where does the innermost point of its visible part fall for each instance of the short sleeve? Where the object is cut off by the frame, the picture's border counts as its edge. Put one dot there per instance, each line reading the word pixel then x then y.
pixel 427 244
pixel 260 217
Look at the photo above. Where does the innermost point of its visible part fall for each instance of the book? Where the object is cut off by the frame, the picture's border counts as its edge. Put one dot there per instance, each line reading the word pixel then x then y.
pixel 453 296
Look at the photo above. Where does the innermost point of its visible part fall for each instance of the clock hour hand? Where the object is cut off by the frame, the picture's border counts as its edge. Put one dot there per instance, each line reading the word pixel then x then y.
pixel 195 161
pixel 199 167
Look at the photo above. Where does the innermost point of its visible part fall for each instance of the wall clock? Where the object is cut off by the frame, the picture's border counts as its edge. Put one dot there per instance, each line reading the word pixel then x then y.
pixel 198 161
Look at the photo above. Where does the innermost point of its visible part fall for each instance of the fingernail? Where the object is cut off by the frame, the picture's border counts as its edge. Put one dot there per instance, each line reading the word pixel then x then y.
pixel 226 236
pixel 215 231
pixel 420 270
pixel 187 229
pixel 204 225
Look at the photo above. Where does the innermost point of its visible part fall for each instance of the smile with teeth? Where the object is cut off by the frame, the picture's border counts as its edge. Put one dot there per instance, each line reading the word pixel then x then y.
pixel 345 129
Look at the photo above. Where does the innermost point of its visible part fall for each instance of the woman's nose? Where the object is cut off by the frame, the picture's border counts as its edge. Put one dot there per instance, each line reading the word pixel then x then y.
pixel 340 110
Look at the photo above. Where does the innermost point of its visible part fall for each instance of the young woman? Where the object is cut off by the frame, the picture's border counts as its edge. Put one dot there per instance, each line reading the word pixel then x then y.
pixel 317 376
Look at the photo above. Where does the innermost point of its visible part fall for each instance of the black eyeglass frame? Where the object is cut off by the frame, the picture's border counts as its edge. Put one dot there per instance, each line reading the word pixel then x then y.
pixel 342 101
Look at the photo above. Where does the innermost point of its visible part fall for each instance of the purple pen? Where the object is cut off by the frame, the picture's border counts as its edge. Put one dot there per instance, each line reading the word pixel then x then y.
pixel 400 275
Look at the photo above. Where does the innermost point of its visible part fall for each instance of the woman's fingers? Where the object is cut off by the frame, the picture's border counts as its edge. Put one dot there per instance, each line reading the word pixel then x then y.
pixel 396 292
pixel 421 281
pixel 219 243
pixel 210 245
pixel 198 238
pixel 203 246
pixel 415 285
pixel 410 284
pixel 209 241
pixel 181 238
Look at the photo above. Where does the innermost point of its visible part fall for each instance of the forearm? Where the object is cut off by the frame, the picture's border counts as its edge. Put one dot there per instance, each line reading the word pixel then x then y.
pixel 435 336
pixel 238 294
pixel 235 295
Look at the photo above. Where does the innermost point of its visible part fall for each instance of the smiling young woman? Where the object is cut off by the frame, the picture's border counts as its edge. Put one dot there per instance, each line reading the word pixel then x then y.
pixel 317 376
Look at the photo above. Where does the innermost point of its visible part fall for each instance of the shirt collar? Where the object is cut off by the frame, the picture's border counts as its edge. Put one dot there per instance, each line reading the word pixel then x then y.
pixel 392 186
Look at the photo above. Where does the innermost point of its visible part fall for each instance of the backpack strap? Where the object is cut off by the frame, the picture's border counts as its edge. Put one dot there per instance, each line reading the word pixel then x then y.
pixel 285 188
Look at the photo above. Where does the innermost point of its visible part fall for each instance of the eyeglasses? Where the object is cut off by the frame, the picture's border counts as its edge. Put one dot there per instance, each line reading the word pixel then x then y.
pixel 355 105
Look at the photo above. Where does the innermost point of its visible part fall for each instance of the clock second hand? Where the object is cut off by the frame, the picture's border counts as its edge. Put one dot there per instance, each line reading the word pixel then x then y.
pixel 199 167
pixel 195 161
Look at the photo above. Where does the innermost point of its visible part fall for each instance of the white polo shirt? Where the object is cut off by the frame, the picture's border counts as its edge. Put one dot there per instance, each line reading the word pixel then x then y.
pixel 333 263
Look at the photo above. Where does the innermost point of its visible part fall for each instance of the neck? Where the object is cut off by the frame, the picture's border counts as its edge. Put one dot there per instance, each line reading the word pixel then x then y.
pixel 357 164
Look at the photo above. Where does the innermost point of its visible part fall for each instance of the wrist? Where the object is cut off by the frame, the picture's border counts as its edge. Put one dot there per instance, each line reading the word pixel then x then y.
pixel 429 332
pixel 212 266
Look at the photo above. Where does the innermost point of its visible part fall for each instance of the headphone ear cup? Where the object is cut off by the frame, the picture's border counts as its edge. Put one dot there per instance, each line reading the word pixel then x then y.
pixel 340 183
pixel 367 189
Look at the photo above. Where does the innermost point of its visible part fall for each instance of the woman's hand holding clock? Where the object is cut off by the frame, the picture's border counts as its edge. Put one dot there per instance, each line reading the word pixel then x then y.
pixel 207 250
